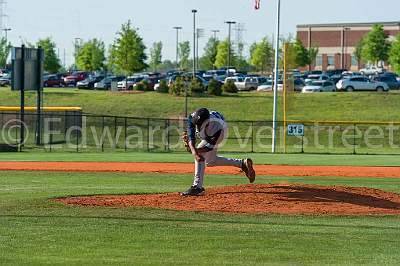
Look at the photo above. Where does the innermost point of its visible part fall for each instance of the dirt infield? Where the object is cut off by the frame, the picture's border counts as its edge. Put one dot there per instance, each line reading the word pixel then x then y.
pixel 277 199
pixel 186 168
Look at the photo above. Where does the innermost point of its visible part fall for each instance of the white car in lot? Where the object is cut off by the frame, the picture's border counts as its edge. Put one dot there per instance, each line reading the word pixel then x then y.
pixel 361 83
pixel 268 86
pixel 372 70
pixel 319 86
pixel 313 77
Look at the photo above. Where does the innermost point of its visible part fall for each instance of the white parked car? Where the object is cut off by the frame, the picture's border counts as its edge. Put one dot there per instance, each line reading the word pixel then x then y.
pixel 312 78
pixel 319 86
pixel 361 83
pixel 268 86
pixel 372 70
pixel 249 83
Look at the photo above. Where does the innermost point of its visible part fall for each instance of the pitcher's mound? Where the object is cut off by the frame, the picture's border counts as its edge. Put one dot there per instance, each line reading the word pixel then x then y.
pixel 276 198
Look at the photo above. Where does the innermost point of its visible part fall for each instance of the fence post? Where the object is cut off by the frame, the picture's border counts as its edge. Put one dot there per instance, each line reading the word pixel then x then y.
pixel 51 130
pixel 252 137
pixel 77 132
pixel 125 130
pixel 102 134
pixel 115 132
pixel 148 134
pixel 167 144
pixel 354 139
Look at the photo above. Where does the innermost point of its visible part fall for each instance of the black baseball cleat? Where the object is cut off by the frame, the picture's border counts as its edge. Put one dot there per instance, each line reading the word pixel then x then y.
pixel 194 191
pixel 247 168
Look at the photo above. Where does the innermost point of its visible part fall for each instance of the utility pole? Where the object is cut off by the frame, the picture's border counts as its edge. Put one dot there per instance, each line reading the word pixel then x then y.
pixel 194 11
pixel 78 42
pixel 215 33
pixel 6 30
pixel 276 77
pixel 177 44
pixel 199 34
pixel 230 23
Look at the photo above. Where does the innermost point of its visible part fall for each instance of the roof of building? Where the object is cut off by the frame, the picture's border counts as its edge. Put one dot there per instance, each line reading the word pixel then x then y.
pixel 360 24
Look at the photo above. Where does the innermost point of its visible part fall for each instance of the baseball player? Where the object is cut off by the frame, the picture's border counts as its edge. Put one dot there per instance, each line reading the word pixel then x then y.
pixel 211 128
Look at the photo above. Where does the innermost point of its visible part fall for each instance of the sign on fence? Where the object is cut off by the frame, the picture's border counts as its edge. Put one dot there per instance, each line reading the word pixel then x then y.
pixel 295 130
pixel 27 68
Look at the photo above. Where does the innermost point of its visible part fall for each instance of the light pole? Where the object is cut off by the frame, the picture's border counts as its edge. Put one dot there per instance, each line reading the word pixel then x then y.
pixel 215 33
pixel 199 34
pixel 276 77
pixel 177 45
pixel 6 30
pixel 345 37
pixel 229 40
pixel 194 11
pixel 77 44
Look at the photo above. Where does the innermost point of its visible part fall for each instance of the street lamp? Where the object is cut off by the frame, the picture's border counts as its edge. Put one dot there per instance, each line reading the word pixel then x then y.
pixel 77 43
pixel 199 34
pixel 6 33
pixel 194 11
pixel 215 33
pixel 6 30
pixel 276 77
pixel 229 40
pixel 177 44
pixel 345 37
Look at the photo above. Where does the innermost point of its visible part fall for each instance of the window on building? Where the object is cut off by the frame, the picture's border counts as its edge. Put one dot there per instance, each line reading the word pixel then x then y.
pixel 318 61
pixel 354 60
pixel 331 60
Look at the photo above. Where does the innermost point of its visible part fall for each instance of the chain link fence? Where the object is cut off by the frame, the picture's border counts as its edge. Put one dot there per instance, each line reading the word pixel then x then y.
pixel 93 133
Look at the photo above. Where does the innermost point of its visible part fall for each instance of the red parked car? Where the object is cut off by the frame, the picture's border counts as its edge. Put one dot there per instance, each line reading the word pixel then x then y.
pixel 53 81
pixel 75 77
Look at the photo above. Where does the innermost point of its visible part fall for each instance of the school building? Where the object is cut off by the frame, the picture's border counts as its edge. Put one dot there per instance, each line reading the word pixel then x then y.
pixel 337 42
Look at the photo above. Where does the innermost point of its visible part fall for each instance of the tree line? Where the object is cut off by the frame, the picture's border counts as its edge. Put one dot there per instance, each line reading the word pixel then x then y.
pixel 127 54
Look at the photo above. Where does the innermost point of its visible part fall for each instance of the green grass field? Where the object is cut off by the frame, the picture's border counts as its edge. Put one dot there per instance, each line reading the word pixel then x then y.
pixel 362 106
pixel 34 230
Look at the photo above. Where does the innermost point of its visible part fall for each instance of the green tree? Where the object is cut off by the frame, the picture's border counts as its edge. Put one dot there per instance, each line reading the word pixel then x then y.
pixel 51 62
pixel 210 54
pixel 358 53
pixel 4 51
pixel 394 55
pixel 312 55
pixel 184 53
pixel 301 54
pixel 261 55
pixel 156 55
pixel 376 46
pixel 221 59
pixel 128 52
pixel 91 56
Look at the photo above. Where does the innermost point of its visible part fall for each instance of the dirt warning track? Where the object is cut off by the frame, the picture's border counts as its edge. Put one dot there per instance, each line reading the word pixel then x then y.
pixel 188 168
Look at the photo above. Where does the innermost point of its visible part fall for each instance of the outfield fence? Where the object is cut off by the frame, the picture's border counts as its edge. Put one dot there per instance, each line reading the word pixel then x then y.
pixel 90 133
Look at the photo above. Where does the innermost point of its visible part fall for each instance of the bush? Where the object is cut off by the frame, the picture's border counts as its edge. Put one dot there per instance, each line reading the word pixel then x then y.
pixel 163 88
pixel 178 87
pixel 143 85
pixel 214 88
pixel 196 87
pixel 230 87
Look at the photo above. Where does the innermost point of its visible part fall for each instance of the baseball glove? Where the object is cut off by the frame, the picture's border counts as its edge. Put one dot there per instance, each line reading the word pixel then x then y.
pixel 185 139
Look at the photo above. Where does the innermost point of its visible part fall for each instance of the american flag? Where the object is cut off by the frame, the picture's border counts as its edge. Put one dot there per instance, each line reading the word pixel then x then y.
pixel 257 5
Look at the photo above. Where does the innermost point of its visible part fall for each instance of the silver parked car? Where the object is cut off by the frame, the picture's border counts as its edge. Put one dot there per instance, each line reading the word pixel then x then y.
pixel 361 83
pixel 250 83
pixel 319 86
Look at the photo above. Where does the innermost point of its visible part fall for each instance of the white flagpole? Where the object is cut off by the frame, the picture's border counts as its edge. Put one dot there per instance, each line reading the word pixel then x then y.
pixel 276 78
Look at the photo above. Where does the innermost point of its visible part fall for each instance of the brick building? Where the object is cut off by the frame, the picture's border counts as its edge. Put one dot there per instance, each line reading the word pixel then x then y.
pixel 337 42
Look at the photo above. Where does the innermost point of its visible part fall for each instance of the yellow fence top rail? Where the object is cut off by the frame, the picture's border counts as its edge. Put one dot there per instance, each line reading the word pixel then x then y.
pixel 313 122
pixel 45 109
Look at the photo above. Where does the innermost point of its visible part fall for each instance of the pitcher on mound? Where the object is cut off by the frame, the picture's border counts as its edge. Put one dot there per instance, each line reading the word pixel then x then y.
pixel 211 129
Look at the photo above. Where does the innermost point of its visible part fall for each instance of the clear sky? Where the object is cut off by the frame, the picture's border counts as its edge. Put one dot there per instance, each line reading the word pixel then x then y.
pixel 86 19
